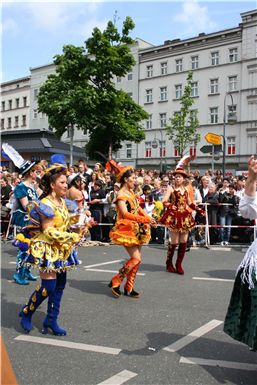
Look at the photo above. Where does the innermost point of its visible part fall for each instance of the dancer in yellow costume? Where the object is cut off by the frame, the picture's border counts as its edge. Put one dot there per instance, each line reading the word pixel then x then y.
pixel 131 230
pixel 51 246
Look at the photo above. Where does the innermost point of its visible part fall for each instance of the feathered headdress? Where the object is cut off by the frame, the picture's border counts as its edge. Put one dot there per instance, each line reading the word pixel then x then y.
pixel 184 161
pixel 23 165
pixel 113 166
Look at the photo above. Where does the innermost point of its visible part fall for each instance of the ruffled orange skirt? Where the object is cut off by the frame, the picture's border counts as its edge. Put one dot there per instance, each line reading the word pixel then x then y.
pixel 130 233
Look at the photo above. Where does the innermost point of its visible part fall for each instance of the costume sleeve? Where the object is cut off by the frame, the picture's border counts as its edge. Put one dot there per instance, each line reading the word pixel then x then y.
pixel 196 208
pixel 20 191
pixel 248 207
pixel 60 236
pixel 137 218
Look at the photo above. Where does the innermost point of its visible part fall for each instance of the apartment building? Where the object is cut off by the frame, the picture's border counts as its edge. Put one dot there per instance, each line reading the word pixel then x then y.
pixel 15 104
pixel 224 66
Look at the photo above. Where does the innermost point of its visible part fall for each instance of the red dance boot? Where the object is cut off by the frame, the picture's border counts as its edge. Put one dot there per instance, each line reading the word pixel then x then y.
pixel 169 265
pixel 181 253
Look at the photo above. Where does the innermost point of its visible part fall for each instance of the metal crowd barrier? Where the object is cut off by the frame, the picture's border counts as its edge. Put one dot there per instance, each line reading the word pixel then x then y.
pixel 206 226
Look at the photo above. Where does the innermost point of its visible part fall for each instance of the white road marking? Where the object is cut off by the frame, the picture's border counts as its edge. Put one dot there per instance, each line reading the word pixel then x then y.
pixel 12 263
pixel 103 263
pixel 222 364
pixel 182 342
pixel 213 279
pixel 221 248
pixel 68 344
pixel 119 378
pixel 109 271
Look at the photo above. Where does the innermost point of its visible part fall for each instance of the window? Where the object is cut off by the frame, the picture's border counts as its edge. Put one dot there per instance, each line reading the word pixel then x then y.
pixel 24 101
pixel 214 115
pixel 3 106
pixel 130 76
pixel 231 145
pixel 162 148
pixel 176 149
pixel 24 120
pixel 178 91
pixel 215 58
pixel 194 86
pixel 233 55
pixel 16 121
pixel 35 93
pixel 34 113
pixel 163 119
pixel 149 96
pixel 193 115
pixel 232 83
pixel 149 71
pixel 148 149
pixel 118 79
pixel 194 62
pixel 2 124
pixel 214 86
pixel 163 93
pixel 149 122
pixel 179 65
pixel 17 101
pixel 192 150
pixel 10 104
pixel 9 123
pixel 164 68
pixel 129 150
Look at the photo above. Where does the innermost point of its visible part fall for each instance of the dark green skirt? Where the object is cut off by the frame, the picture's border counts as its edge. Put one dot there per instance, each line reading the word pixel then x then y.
pixel 241 319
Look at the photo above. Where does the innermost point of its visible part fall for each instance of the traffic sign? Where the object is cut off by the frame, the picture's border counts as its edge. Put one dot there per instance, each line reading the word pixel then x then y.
pixel 209 148
pixel 213 138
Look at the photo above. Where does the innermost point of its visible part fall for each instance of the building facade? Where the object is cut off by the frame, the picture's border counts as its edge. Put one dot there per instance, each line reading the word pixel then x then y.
pixel 224 66
pixel 15 104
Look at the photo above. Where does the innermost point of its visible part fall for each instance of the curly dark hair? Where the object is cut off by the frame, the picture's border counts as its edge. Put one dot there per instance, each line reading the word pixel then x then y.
pixel 45 183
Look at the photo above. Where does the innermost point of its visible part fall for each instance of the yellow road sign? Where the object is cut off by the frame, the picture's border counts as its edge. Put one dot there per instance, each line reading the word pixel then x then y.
pixel 213 138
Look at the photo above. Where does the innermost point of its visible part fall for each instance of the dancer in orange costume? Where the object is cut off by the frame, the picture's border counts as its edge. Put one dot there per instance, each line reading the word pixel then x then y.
pixel 178 216
pixel 132 229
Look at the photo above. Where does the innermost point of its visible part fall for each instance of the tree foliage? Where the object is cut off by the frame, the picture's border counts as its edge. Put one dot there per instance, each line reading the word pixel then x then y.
pixel 83 93
pixel 183 124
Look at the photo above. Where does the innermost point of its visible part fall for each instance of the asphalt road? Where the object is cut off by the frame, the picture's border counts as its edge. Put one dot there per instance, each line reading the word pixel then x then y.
pixel 171 335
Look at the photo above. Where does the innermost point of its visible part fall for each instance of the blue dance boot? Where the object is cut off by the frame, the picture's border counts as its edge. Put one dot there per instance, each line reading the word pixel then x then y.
pixel 28 275
pixel 53 308
pixel 19 276
pixel 36 298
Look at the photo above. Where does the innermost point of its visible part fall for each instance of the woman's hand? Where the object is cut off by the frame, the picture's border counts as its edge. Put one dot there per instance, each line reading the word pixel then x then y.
pixel 252 168
pixel 153 223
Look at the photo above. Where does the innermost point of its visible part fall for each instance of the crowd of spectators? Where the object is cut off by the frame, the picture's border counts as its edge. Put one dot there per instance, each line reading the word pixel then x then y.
pixel 99 189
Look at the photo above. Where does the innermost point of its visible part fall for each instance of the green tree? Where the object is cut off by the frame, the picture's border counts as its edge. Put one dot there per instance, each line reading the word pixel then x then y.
pixel 82 93
pixel 182 129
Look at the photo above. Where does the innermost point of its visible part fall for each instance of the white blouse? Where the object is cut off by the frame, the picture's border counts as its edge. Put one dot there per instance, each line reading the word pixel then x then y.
pixel 248 207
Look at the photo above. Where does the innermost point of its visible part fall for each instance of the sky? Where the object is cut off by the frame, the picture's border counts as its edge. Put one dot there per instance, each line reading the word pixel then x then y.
pixel 32 32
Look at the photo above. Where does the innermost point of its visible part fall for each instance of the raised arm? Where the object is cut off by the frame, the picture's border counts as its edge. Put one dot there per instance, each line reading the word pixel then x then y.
pixel 250 185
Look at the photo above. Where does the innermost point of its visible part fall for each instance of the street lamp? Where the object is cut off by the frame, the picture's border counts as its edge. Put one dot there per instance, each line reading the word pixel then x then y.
pixel 231 119
pixel 155 144
pixel 71 134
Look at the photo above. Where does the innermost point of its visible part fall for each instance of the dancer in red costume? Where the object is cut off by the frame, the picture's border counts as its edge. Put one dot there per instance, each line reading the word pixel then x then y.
pixel 178 216
pixel 131 230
